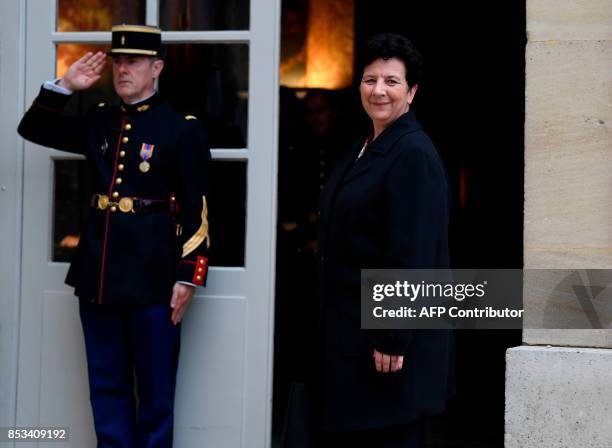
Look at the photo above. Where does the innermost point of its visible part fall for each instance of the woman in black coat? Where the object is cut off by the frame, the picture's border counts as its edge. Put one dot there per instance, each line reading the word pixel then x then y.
pixel 385 206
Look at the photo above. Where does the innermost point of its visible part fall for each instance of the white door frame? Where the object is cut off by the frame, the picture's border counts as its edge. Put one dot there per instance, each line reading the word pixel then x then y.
pixel 12 67
pixel 248 290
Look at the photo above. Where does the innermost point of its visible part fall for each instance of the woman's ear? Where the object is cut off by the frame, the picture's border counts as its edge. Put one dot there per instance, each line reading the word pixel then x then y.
pixel 411 92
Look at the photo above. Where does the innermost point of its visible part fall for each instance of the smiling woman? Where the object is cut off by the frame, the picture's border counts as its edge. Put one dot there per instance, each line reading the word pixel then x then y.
pixel 385 93
pixel 385 206
pixel 391 75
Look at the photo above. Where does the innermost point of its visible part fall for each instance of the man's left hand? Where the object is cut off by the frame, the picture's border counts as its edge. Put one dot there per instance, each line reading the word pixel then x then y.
pixel 181 296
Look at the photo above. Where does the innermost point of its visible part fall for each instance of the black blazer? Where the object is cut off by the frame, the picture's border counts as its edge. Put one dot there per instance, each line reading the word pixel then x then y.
pixel 388 209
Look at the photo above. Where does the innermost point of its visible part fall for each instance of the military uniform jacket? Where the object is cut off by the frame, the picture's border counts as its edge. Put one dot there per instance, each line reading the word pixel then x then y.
pixel 133 257
pixel 388 209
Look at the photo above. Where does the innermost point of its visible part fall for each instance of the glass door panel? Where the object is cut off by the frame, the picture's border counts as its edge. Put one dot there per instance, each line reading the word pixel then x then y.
pixel 210 81
pixel 71 196
pixel 227 207
pixel 204 15
pixel 98 15
pixel 102 91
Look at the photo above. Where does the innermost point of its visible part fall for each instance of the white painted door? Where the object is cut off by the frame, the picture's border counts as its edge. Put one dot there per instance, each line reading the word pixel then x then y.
pixel 224 379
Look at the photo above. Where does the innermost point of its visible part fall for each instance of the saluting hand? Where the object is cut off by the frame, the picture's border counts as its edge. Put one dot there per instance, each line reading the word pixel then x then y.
pixel 181 296
pixel 85 72
pixel 387 363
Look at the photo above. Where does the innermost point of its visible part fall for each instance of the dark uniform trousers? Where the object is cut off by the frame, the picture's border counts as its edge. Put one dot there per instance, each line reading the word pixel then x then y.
pixel 122 341
pixel 128 260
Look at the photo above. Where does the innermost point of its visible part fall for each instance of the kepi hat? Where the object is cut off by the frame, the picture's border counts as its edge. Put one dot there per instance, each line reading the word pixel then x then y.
pixel 141 40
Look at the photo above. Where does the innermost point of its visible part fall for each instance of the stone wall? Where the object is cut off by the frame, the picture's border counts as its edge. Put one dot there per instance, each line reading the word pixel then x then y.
pixel 558 396
pixel 568 145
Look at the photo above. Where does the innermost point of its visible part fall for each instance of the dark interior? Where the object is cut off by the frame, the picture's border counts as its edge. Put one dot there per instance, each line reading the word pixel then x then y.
pixel 471 103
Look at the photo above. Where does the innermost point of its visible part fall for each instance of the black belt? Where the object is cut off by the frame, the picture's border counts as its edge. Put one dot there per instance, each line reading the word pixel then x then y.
pixel 130 205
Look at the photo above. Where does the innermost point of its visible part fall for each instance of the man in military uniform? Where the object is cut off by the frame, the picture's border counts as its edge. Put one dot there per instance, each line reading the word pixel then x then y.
pixel 144 245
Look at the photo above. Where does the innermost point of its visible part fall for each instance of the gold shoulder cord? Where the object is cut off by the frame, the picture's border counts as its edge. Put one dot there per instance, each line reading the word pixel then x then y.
pixel 200 235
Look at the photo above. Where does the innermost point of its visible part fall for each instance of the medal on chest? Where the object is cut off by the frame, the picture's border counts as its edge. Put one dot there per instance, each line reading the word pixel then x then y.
pixel 146 152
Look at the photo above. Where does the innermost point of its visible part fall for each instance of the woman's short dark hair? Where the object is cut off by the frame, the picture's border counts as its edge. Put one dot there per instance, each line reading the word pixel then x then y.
pixel 388 46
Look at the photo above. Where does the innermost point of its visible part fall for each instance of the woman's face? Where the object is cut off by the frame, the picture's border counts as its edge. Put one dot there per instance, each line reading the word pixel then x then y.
pixel 384 92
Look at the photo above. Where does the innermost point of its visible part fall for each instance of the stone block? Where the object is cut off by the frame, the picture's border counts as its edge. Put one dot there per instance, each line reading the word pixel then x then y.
pixel 558 398
pixel 569 20
pixel 567 299
pixel 568 180
pixel 569 338
pixel 568 257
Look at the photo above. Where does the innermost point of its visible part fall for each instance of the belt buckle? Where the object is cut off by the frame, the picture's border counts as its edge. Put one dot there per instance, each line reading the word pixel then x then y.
pixel 103 201
pixel 126 205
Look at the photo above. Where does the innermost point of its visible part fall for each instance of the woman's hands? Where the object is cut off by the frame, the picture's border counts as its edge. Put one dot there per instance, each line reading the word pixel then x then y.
pixel 387 363
pixel 84 73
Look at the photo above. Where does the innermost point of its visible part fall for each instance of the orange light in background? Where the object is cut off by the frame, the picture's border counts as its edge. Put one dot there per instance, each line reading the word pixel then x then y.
pixel 80 15
pixel 84 15
pixel 292 71
pixel 69 53
pixel 329 44
pixel 325 59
